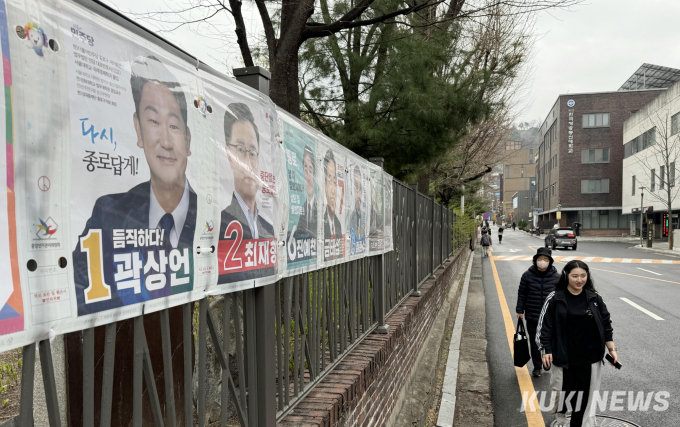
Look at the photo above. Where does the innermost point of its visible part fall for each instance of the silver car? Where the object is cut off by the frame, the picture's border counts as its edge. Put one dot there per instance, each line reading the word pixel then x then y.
pixel 564 237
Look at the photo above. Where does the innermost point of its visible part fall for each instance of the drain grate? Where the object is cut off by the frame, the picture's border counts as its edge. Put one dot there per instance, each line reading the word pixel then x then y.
pixel 475 277
pixel 607 421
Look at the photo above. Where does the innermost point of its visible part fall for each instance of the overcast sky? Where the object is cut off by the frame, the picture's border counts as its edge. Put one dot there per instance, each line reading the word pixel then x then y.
pixel 593 47
pixel 596 46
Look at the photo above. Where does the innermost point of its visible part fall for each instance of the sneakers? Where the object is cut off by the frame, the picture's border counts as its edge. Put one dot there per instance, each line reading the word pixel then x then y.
pixel 536 373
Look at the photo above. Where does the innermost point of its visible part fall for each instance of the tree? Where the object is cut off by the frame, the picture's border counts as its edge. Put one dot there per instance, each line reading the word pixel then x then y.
pixel 286 25
pixel 660 158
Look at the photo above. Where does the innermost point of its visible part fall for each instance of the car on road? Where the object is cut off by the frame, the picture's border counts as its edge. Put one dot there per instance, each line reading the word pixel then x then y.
pixel 564 236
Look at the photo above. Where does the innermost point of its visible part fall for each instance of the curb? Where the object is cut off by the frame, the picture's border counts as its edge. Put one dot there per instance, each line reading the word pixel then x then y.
pixel 447 407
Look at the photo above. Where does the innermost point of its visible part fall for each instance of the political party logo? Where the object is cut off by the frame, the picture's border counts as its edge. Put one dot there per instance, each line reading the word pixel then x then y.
pixel 202 106
pixel 208 227
pixel 46 229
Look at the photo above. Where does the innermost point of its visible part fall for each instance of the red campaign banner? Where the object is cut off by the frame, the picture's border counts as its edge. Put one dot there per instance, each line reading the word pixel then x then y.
pixel 236 255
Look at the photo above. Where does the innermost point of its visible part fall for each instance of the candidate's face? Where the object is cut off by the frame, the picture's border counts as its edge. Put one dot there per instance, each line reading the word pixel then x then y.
pixel 357 192
pixel 331 186
pixel 163 135
pixel 243 153
pixel 308 165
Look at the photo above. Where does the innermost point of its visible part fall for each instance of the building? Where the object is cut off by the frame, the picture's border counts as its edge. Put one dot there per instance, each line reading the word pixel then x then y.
pixel 523 202
pixel 519 174
pixel 651 162
pixel 579 171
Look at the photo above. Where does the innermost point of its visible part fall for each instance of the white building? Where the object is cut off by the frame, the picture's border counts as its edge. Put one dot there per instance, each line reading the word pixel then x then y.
pixel 647 135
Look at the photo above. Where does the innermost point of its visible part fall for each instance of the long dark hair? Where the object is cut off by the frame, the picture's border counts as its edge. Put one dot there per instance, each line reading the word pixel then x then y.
pixel 564 278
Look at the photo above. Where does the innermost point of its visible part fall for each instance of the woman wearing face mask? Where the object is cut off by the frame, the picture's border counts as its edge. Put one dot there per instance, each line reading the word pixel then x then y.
pixel 536 283
pixel 573 330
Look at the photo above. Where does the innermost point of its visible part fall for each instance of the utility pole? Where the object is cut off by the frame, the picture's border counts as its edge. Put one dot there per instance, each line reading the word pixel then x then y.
pixel 642 198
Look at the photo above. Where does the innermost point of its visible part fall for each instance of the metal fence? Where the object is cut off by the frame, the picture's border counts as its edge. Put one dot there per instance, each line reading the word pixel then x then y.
pixel 247 358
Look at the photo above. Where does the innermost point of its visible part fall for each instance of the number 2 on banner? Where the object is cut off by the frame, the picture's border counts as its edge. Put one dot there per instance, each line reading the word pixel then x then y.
pixel 97 290
pixel 234 263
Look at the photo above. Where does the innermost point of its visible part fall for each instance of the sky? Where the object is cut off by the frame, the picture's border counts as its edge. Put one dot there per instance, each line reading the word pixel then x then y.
pixel 592 47
pixel 596 46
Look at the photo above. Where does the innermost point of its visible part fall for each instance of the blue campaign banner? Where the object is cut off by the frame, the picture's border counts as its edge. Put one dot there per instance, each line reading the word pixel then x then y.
pixel 301 239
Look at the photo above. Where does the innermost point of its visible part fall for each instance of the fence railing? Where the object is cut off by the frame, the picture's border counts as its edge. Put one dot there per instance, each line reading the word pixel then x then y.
pixel 318 317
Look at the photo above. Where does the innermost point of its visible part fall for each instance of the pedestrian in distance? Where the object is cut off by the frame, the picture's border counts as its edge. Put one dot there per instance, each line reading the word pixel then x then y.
pixel 573 330
pixel 485 241
pixel 513 226
pixel 534 287
pixel 500 234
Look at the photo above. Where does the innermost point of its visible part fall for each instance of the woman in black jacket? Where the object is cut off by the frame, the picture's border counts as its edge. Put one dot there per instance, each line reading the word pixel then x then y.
pixel 573 330
pixel 536 283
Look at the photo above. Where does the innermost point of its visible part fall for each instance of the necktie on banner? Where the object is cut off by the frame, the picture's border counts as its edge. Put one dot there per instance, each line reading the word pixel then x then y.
pixel 166 224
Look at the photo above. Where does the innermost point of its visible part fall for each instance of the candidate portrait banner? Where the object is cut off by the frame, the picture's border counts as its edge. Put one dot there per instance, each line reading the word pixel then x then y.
pixel 247 253
pixel 358 189
pixel 134 216
pixel 332 162
pixel 303 197
pixel 388 200
pixel 376 236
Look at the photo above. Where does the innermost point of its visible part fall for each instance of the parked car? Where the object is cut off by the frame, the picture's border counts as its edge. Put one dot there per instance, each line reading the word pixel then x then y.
pixel 565 237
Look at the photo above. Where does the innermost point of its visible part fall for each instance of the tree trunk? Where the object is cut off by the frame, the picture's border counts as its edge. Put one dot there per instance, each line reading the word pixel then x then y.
pixel 283 87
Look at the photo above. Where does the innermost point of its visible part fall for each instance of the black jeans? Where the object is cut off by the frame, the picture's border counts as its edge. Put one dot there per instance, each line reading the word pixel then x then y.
pixel 576 378
pixel 535 352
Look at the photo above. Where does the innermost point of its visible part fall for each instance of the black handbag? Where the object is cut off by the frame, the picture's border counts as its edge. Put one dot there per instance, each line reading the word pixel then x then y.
pixel 521 345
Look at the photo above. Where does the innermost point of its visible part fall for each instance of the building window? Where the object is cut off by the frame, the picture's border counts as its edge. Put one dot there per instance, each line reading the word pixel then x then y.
pixel 671 172
pixel 662 177
pixel 638 144
pixel 531 156
pixel 513 145
pixel 597 155
pixel 594 186
pixel 598 120
pixel 633 192
pixel 653 189
pixel 507 171
pixel 675 124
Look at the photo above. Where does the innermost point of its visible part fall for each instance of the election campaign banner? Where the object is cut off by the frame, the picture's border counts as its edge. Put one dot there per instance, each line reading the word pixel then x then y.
pixel 139 180
pixel 134 218
pixel 303 196
pixel 247 253
pixel 376 236
pixel 357 188
pixel 11 301
pixel 388 200
pixel 332 162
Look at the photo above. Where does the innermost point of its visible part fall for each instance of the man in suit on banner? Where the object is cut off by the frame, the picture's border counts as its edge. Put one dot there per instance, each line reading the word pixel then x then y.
pixel 307 223
pixel 242 140
pixel 166 202
pixel 332 229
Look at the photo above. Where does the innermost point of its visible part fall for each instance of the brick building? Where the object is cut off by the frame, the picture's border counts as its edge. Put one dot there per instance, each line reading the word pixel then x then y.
pixel 580 158
pixel 519 174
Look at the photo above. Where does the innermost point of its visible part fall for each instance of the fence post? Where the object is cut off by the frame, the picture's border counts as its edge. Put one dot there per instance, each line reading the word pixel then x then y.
pixel 432 242
pixel 414 239
pixel 443 232
pixel 265 362
pixel 383 328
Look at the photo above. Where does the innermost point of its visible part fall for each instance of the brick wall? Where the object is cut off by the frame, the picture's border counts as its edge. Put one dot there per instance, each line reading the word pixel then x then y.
pixel 363 389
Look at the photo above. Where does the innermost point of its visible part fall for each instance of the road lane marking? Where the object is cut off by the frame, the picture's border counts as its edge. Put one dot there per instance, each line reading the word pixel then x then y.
pixel 648 271
pixel 642 309
pixel 535 417
pixel 592 259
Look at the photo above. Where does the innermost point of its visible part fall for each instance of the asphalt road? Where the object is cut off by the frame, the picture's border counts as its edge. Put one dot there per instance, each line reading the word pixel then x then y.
pixel 647 347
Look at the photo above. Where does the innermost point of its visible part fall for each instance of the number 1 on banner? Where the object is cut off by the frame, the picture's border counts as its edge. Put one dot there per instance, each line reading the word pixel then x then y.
pixel 97 290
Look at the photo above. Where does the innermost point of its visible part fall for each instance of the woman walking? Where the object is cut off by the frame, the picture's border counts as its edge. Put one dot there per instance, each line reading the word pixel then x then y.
pixel 534 287
pixel 573 330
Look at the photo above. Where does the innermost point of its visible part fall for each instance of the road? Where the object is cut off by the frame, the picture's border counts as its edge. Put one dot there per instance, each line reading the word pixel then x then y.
pixel 647 346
